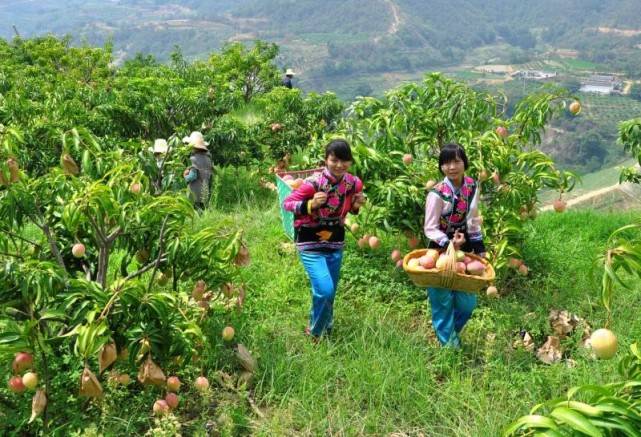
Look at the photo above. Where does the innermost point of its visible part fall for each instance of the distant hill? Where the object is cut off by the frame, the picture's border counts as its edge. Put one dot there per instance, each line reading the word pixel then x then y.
pixel 333 40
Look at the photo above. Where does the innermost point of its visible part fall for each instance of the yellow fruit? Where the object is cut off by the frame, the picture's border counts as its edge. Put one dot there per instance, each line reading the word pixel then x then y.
pixel 228 333
pixel 603 342
pixel 492 292
pixel 575 107
pixel 30 380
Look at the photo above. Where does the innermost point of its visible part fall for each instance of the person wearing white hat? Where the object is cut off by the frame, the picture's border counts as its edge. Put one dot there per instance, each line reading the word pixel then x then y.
pixel 160 150
pixel 287 81
pixel 199 174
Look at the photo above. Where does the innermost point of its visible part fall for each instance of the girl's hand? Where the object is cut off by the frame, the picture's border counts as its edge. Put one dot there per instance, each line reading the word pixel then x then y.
pixel 458 240
pixel 319 199
pixel 359 200
pixel 186 172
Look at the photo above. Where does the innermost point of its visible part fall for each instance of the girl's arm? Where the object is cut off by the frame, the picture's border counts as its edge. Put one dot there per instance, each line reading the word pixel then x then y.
pixel 298 200
pixel 433 209
pixel 474 233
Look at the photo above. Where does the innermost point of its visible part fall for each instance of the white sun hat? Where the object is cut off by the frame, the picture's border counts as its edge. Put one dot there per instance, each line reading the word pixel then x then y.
pixel 160 146
pixel 196 140
pixel 289 72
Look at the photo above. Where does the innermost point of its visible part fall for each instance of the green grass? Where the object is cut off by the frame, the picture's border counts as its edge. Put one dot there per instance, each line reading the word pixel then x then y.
pixel 382 370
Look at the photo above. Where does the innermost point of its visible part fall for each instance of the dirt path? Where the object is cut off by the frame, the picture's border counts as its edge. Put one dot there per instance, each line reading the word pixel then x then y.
pixel 396 21
pixel 627 188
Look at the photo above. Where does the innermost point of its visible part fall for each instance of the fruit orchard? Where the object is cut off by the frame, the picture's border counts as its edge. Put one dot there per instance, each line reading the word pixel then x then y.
pixel 116 291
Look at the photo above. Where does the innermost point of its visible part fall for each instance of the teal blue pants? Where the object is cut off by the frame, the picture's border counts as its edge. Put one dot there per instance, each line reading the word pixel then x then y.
pixel 450 311
pixel 323 270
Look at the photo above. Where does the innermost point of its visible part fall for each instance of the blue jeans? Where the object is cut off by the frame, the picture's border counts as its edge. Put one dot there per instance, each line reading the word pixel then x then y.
pixel 323 270
pixel 450 311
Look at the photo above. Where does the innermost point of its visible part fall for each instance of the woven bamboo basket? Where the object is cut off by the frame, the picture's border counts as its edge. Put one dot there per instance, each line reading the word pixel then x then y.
pixel 284 190
pixel 447 277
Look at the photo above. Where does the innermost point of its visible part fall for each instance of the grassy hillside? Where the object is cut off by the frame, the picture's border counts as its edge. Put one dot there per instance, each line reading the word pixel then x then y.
pixel 381 371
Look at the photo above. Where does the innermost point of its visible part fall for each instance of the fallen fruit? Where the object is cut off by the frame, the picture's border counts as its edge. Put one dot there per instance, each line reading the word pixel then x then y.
pixel 173 383
pixel 399 264
pixel 172 400
pixel 515 263
pixel 201 384
pixel 492 291
pixel 523 270
pixel 413 242
pixel 160 407
pixel 228 333
pixel 603 343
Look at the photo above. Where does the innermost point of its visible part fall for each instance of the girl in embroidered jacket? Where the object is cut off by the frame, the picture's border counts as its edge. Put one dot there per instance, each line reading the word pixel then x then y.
pixel 451 214
pixel 320 205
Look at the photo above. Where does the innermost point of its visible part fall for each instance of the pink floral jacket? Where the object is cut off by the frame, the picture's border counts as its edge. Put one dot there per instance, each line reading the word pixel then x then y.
pixel 448 209
pixel 324 227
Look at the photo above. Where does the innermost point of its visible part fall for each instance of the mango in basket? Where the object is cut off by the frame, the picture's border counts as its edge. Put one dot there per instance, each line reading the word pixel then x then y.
pixel 476 268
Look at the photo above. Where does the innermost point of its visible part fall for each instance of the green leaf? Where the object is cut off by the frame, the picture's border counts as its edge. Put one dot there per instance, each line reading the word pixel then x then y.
pixel 528 422
pixel 576 421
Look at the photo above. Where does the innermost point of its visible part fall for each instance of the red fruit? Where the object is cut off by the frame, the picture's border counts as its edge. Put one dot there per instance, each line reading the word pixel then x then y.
pixel 22 361
pixel 78 250
pixel 523 270
pixel 467 259
pixel 374 242
pixel 16 385
pixel 427 262
pixel 362 242
pixel 413 242
pixel 559 205
pixel 515 263
pixel 228 333
pixel 201 384
pixel 135 188
pixel 396 255
pixel 173 383
pixel 161 407
pixel 399 264
pixel 407 159
pixel 501 131
pixel 460 267
pixel 172 400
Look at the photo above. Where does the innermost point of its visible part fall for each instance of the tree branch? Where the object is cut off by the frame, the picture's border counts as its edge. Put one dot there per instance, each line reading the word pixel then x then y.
pixel 101 235
pixel 161 241
pixel 44 227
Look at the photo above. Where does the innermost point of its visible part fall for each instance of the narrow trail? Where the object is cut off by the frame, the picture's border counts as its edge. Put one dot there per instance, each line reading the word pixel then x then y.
pixel 626 188
pixel 396 21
